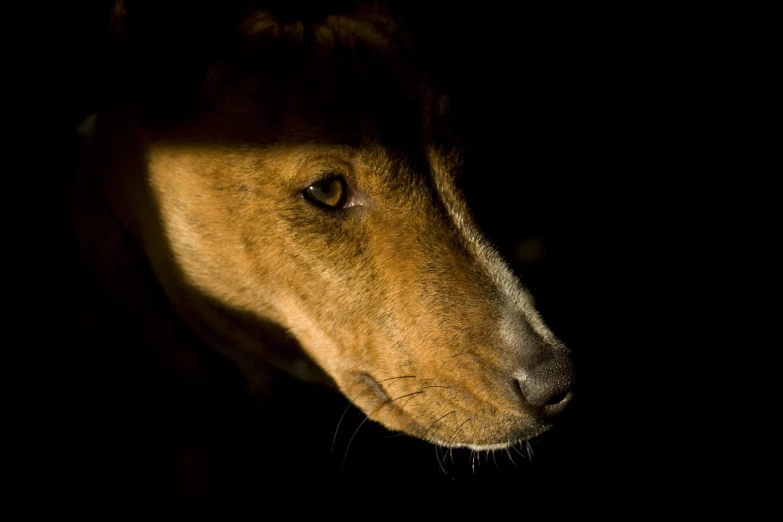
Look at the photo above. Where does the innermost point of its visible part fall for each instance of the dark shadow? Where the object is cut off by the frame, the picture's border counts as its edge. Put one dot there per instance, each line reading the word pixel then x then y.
pixel 542 110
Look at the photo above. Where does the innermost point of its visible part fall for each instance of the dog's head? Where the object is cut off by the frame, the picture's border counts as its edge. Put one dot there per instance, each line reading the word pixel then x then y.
pixel 299 198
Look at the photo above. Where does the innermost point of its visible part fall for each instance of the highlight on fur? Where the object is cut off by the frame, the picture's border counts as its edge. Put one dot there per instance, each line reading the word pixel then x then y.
pixel 287 193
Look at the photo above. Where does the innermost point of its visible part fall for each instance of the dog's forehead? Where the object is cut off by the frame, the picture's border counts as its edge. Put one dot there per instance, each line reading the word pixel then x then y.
pixel 334 98
pixel 343 82
pixel 343 79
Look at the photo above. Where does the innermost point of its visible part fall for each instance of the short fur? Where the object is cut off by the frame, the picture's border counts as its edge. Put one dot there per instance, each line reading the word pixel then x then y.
pixel 200 156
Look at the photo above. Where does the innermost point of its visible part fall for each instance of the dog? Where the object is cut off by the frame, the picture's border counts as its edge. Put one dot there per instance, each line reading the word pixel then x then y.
pixel 285 191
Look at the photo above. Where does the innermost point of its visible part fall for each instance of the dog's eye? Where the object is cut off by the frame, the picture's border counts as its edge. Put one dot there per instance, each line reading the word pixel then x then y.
pixel 332 192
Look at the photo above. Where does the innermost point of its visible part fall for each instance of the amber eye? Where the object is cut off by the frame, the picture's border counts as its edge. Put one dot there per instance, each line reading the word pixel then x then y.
pixel 331 192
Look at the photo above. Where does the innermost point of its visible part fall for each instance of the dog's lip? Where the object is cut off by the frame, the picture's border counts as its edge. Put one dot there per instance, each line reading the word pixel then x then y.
pixel 374 398
pixel 383 400
pixel 374 386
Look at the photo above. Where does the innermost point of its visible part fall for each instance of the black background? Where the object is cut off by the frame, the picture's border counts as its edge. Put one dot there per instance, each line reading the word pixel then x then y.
pixel 587 130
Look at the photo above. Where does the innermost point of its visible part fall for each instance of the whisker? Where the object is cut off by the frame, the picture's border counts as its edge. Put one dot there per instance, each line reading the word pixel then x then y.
pixel 495 460
pixel 443 469
pixel 393 400
pixel 401 397
pixel 518 451
pixel 366 418
pixel 342 466
pixel 459 428
pixel 420 389
pixel 511 458
pixel 434 423
pixel 395 378
pixel 451 439
pixel 351 403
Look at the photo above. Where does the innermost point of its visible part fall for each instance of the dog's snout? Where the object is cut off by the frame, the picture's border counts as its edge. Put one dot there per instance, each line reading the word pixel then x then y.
pixel 548 386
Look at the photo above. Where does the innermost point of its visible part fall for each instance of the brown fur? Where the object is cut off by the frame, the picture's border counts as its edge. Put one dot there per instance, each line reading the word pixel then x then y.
pixel 397 302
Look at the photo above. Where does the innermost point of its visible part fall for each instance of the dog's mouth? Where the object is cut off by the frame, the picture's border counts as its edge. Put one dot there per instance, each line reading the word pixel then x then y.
pixel 377 403
pixel 449 429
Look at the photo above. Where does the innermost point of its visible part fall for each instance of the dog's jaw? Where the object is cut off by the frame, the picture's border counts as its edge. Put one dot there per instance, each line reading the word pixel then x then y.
pixel 399 300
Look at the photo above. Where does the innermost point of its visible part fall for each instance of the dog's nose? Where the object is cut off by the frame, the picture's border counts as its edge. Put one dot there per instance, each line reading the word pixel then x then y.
pixel 547 386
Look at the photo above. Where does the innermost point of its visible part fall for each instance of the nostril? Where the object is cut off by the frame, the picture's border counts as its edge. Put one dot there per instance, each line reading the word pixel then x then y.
pixel 557 398
pixel 557 402
pixel 542 390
